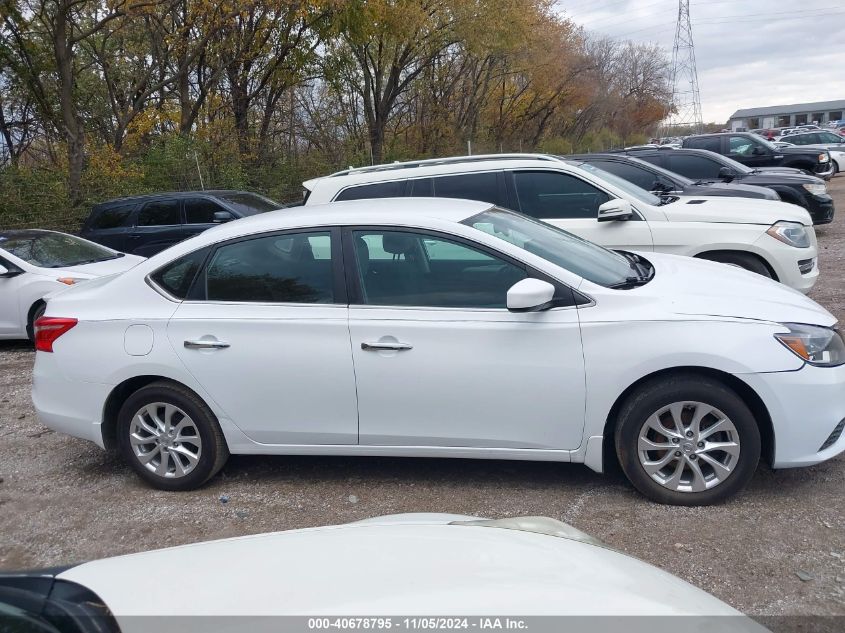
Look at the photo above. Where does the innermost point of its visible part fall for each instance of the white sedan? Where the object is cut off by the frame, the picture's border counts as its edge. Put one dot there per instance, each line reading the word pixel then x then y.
pixel 441 328
pixel 35 263
pixel 388 573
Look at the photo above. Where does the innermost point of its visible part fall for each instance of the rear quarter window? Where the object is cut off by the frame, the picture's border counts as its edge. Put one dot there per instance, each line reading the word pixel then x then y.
pixel 177 277
pixel 392 189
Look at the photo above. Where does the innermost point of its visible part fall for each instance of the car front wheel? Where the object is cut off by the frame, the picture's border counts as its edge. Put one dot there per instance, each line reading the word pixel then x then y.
pixel 687 440
pixel 170 437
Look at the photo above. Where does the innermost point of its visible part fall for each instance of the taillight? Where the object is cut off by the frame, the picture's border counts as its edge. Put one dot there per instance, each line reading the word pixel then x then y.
pixel 48 329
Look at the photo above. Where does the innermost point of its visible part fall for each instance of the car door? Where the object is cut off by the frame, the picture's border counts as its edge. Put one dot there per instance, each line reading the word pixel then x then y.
pixel 266 335
pixel 199 215
pixel 158 225
pixel 440 361
pixel 572 204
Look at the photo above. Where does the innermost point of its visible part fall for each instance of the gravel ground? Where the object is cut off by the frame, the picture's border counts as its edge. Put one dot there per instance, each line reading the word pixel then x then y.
pixel 64 500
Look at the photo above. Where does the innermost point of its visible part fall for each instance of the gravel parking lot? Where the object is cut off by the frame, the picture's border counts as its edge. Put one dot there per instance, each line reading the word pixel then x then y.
pixel 777 549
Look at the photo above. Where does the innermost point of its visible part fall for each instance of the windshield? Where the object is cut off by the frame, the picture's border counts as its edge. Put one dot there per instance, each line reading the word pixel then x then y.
pixel 588 260
pixel 55 250
pixel 249 203
pixel 631 189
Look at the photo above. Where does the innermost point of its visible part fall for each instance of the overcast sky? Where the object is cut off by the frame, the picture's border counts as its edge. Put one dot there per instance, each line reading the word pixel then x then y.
pixel 749 52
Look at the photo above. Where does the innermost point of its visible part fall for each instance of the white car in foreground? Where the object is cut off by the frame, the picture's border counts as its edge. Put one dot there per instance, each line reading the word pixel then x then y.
pixel 442 328
pixel 34 263
pixel 382 570
pixel 774 239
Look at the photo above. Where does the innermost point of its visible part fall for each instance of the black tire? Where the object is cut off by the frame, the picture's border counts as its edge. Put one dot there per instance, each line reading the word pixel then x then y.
pixel 35 313
pixel 214 451
pixel 743 260
pixel 686 387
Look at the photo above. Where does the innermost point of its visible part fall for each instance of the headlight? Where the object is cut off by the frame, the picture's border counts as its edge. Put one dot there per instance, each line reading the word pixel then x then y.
pixel 821 346
pixel 823 158
pixel 792 233
pixel 816 188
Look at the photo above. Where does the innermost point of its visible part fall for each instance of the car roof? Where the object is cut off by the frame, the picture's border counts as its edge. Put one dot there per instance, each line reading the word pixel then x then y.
pixel 175 194
pixel 433 167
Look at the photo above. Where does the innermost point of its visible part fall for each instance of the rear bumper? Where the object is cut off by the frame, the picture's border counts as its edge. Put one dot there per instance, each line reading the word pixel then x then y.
pixel 68 406
pixel 805 406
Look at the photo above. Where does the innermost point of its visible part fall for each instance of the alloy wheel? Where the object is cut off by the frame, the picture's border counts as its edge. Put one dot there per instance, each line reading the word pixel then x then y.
pixel 165 440
pixel 688 446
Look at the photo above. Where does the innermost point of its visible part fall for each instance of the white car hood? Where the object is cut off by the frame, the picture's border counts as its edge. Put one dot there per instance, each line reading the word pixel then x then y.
pixel 691 286
pixel 415 565
pixel 735 210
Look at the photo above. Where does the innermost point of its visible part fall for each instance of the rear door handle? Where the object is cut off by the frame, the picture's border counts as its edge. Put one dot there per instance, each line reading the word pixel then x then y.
pixel 206 344
pixel 377 347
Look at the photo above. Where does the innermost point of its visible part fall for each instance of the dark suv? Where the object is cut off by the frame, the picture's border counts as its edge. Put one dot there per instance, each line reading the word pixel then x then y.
pixel 703 166
pixel 754 151
pixel 145 225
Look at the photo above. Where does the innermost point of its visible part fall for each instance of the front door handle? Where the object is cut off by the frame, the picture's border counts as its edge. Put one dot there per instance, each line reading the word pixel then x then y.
pixel 202 344
pixel 380 347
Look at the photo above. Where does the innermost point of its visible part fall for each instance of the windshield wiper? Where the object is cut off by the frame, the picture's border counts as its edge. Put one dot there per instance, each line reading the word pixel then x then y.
pixel 630 282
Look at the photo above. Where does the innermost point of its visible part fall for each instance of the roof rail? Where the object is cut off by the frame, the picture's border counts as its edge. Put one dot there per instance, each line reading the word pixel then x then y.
pixel 443 161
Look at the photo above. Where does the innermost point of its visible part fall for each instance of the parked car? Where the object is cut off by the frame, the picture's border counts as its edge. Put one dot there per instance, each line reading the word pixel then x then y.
pixel 370 574
pixel 145 225
pixel 577 197
pixel 754 151
pixel 662 182
pixel 822 139
pixel 442 328
pixel 35 263
pixel 791 185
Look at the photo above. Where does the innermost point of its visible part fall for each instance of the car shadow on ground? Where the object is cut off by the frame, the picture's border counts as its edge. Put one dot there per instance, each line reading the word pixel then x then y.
pixel 13 346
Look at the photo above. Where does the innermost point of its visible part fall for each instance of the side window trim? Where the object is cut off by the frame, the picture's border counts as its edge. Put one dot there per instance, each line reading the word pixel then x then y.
pixel 569 297
pixel 198 290
pixel 403 194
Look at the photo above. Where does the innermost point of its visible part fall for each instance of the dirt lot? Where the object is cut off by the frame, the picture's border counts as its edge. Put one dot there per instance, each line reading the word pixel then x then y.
pixel 64 500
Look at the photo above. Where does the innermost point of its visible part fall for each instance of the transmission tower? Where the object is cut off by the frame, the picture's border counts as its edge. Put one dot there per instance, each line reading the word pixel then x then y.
pixel 685 96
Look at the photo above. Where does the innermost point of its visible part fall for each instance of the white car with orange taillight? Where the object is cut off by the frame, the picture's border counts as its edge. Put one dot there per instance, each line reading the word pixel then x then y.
pixel 35 263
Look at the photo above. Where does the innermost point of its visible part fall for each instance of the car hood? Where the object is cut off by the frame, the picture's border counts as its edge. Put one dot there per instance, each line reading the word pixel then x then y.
pixel 692 286
pixel 735 190
pixel 780 170
pixel 786 176
pixel 797 150
pixel 404 565
pixel 99 269
pixel 734 210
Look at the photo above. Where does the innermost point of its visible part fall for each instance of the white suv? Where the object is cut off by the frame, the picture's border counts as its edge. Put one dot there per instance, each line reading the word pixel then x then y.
pixel 775 239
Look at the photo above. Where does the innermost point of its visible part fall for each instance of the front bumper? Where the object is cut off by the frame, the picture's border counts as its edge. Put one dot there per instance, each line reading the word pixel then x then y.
pixel 787 261
pixel 821 208
pixel 824 170
pixel 805 407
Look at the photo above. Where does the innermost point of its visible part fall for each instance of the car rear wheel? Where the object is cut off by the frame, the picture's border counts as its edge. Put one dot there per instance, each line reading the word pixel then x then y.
pixel 687 440
pixel 170 437
pixel 35 313
pixel 743 260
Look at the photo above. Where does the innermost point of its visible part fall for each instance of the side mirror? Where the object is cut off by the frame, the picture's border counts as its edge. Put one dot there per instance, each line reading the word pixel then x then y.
pixel 616 209
pixel 530 295
pixel 726 174
pixel 758 151
pixel 222 216
pixel 659 186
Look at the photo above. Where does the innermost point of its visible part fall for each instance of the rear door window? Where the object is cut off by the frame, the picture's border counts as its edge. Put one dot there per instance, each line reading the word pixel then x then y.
pixel 711 143
pixel 481 186
pixel 113 217
pixel 159 213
